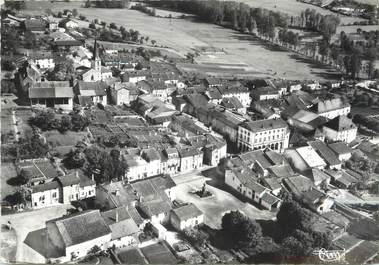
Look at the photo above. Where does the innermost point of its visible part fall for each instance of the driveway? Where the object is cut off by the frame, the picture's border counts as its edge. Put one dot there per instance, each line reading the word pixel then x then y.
pixel 25 222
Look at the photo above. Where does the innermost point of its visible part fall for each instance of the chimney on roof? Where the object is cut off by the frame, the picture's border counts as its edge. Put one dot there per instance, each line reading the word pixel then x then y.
pixel 116 216
pixel 117 192
pixel 77 174
pixel 93 177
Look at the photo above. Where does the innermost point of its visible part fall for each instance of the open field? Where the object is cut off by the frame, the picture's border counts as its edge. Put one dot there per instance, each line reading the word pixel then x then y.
pixel 185 35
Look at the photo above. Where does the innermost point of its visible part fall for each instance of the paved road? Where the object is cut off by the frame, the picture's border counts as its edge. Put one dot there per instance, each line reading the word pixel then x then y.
pixel 25 222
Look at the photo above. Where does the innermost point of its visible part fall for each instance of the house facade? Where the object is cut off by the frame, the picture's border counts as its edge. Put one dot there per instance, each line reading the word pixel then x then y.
pixel 256 135
pixel 190 158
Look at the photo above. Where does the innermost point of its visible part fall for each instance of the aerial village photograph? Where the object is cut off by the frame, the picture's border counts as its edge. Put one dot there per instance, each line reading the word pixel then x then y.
pixel 189 132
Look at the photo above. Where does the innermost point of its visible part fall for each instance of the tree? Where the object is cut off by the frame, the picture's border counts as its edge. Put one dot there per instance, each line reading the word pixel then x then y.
pixel 25 176
pixel 8 65
pixel 75 12
pixel 292 216
pixel 74 159
pixel 92 26
pixel 17 198
pixel 60 14
pixel 243 230
pixel 65 124
pixel 43 120
pixel 79 122
pixel 31 147
pixel 112 25
pixel 96 21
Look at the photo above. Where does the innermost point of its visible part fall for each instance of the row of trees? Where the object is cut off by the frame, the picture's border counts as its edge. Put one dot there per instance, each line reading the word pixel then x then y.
pixel 46 120
pixel 325 24
pixel 106 3
pixel 144 9
pixel 245 18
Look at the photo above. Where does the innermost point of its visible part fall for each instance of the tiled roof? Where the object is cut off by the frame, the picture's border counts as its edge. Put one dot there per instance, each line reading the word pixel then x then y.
pixel 51 89
pixel 231 103
pixel 187 151
pixel 340 148
pixel 340 123
pixel 82 227
pixel 325 152
pixel 263 125
pixel 187 212
pixel 69 180
pixel 318 175
pixel 120 222
pixel 314 195
pixel 257 156
pixel 46 186
pixel 270 199
pixel 151 154
pixel 91 88
pixel 272 183
pixel 152 208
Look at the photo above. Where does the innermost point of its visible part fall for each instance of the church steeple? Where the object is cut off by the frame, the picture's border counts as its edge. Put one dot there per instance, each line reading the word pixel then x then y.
pixel 95 54
pixel 96 62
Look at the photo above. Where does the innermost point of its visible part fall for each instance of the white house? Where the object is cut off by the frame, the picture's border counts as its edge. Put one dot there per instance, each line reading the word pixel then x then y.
pixel 190 158
pixel 260 134
pixel 186 216
pixel 46 194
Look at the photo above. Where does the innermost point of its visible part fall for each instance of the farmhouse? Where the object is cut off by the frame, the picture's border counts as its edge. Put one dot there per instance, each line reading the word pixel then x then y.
pixel 76 234
pixel 186 216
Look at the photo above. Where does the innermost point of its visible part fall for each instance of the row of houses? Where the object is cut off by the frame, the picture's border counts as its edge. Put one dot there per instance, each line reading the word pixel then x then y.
pixel 149 162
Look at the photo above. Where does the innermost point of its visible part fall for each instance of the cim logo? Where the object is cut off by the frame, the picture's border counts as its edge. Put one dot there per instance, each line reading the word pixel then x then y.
pixel 330 255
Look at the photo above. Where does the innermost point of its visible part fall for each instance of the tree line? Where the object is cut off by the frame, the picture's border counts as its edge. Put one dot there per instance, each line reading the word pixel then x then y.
pixel 242 17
